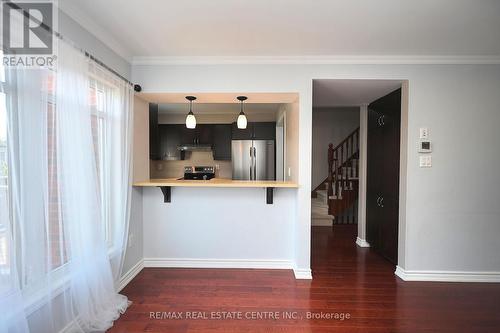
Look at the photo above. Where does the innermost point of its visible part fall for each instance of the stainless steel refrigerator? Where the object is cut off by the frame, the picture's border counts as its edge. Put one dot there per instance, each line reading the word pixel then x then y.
pixel 253 159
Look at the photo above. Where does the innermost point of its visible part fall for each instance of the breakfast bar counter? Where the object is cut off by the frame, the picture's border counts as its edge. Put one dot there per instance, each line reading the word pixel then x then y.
pixel 214 182
pixel 166 184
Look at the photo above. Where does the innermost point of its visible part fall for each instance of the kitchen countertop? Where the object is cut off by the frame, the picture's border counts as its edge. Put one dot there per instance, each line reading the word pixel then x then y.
pixel 215 182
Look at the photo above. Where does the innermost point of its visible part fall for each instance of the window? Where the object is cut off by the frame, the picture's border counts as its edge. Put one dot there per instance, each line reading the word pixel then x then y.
pixel 4 184
pixel 100 96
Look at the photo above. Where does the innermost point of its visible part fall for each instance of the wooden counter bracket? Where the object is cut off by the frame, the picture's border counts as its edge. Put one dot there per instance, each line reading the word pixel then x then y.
pixel 166 190
pixel 269 195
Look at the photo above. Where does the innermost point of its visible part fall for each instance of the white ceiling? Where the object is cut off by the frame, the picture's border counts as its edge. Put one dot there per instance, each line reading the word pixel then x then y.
pixel 335 93
pixel 293 27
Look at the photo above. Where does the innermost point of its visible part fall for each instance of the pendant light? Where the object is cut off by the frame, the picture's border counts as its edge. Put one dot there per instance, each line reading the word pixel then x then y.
pixel 242 119
pixel 190 119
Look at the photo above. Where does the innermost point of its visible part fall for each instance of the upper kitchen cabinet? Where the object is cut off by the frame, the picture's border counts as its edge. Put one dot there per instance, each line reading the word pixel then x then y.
pixel 202 134
pixel 264 131
pixel 188 136
pixel 255 131
pixel 222 142
pixel 154 136
pixel 170 139
pixel 242 134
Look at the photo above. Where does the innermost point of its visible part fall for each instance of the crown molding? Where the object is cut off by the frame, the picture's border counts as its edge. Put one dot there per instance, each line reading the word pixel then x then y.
pixel 95 29
pixel 317 60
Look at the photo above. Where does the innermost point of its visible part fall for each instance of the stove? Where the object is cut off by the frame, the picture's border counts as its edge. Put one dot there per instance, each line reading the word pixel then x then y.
pixel 199 172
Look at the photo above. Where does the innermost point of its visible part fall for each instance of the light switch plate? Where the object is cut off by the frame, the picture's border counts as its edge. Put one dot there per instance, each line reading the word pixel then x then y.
pixel 425 161
pixel 424 133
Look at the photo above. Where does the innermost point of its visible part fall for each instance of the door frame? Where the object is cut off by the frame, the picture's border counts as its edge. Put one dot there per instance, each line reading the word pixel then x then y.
pixel 281 126
pixel 403 166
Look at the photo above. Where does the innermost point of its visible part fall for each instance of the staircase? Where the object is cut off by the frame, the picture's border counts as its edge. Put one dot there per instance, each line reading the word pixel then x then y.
pixel 334 201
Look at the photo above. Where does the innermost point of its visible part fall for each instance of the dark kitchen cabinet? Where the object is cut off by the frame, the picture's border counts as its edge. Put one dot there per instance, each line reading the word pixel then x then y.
pixel 242 134
pixel 166 138
pixel 188 135
pixel 382 197
pixel 222 134
pixel 255 131
pixel 170 139
pixel 202 134
pixel 154 136
pixel 264 131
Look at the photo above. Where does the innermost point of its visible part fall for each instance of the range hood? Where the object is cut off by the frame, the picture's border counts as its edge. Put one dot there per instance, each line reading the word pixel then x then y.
pixel 195 147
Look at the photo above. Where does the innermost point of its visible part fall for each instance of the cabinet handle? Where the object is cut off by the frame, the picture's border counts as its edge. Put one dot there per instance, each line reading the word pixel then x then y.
pixel 381 202
pixel 378 201
pixel 254 163
pixel 381 120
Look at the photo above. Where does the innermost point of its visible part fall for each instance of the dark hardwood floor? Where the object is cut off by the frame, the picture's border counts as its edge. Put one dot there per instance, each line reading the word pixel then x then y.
pixel 347 280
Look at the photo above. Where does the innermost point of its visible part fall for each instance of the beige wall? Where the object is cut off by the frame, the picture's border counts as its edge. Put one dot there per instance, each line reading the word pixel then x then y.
pixel 291 111
pixel 175 169
pixel 141 140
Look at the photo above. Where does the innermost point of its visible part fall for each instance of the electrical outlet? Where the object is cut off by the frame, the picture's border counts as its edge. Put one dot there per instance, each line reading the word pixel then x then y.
pixel 130 240
pixel 426 161
pixel 289 172
pixel 424 133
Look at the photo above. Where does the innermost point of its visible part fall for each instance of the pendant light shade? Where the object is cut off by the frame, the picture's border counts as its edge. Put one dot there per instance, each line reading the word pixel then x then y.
pixel 190 118
pixel 242 119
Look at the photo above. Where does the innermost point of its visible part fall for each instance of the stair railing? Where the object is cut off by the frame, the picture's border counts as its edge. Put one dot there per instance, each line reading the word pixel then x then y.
pixel 340 172
pixel 332 163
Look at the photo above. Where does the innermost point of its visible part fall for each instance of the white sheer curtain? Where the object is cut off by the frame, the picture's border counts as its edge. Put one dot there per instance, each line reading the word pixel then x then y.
pixel 70 139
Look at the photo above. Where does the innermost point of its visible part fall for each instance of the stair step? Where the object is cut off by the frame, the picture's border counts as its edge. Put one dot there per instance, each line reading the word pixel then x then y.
pixel 322 217
pixel 322 207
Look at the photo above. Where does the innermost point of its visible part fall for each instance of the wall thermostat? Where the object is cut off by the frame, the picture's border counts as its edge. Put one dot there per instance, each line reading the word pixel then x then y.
pixel 425 146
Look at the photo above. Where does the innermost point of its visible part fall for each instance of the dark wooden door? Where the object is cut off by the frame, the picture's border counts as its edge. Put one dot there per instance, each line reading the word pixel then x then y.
pixel 382 213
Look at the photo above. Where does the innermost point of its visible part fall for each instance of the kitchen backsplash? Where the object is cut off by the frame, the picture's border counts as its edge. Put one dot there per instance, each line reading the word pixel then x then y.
pixel 175 168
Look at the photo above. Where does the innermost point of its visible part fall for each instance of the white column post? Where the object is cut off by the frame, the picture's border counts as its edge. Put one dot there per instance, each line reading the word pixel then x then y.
pixel 363 141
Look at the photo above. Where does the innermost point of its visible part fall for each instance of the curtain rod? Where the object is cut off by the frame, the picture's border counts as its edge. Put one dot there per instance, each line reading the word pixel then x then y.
pixel 73 44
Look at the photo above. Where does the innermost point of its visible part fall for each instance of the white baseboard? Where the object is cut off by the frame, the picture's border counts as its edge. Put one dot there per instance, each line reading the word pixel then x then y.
pixel 217 263
pixel 447 276
pixel 302 274
pixel 362 242
pixel 132 273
